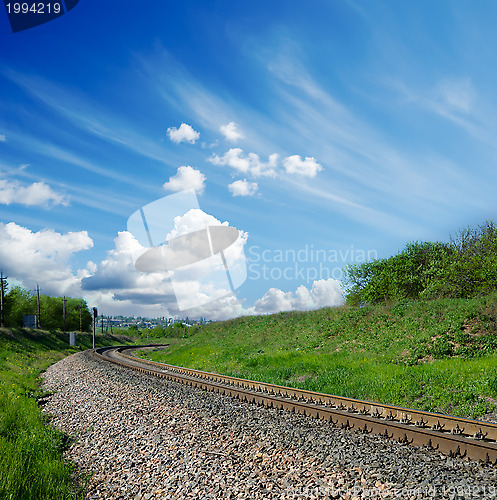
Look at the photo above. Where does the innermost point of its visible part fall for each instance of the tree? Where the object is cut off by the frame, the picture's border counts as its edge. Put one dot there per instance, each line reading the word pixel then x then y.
pixel 403 276
pixel 465 267
pixel 18 302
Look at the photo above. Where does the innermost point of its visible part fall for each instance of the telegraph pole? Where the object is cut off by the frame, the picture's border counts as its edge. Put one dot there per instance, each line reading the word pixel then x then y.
pixel 39 313
pixel 64 310
pixel 3 281
pixel 94 315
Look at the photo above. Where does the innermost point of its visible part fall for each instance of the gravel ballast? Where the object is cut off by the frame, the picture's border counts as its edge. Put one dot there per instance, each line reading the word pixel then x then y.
pixel 146 438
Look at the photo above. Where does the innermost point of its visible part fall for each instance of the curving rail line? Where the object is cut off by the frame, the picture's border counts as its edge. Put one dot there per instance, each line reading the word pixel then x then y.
pixel 454 436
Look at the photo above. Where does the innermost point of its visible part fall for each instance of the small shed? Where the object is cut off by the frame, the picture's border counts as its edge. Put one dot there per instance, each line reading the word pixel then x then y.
pixel 30 321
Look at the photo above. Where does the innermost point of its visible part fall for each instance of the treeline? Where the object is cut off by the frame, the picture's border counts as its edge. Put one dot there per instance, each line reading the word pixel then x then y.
pixel 18 302
pixel 465 267
pixel 178 330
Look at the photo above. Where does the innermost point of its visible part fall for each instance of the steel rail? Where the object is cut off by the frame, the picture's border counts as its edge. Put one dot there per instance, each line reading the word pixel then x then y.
pixel 453 436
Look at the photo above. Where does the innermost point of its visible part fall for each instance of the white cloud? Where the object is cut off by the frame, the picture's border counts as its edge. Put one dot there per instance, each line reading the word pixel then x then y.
pixel 243 188
pixel 42 257
pixel 37 193
pixel 116 282
pixel 117 274
pixel 184 133
pixel 218 310
pixel 186 178
pixel 3 138
pixel 191 221
pixel 199 276
pixel 295 165
pixel 115 286
pixel 322 293
pixel 251 164
pixel 247 164
pixel 231 132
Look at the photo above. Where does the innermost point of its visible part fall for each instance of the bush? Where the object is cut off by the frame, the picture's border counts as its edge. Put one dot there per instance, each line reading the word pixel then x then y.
pixel 464 268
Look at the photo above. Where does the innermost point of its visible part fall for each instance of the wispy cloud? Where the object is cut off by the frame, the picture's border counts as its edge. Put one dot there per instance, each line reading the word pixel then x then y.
pixel 61 154
pixel 454 99
pixel 86 115
pixel 357 154
pixel 315 125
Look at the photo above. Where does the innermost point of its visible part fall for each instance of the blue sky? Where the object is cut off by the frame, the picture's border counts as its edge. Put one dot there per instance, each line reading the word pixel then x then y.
pixel 337 127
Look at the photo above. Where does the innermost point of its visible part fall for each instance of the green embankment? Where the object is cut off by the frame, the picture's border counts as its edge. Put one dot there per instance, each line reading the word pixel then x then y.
pixel 438 355
pixel 32 465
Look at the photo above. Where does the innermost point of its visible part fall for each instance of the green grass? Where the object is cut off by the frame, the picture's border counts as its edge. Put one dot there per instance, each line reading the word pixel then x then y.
pixel 438 355
pixel 32 465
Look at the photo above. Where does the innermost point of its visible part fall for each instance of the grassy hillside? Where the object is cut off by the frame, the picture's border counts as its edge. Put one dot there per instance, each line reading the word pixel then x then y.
pixel 31 461
pixel 438 355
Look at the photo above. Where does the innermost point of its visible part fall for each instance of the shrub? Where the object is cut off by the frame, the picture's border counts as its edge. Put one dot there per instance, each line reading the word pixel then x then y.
pixel 464 268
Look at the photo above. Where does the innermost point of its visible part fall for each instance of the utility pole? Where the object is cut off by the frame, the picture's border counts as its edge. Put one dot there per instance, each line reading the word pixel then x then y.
pixel 3 281
pixel 64 310
pixel 94 316
pixel 39 313
pixel 102 324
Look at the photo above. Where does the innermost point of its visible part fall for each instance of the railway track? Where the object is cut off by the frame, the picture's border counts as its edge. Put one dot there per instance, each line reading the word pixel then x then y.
pixel 453 436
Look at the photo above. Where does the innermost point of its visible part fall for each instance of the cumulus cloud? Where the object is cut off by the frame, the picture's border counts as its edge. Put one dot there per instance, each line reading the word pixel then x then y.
pixel 243 188
pixel 231 132
pixel 116 274
pixel 186 178
pixel 322 293
pixel 251 164
pixel 2 138
pixel 191 221
pixel 247 164
pixel 36 194
pixel 42 257
pixel 295 165
pixel 165 289
pixel 203 276
pixel 184 133
pixel 218 310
